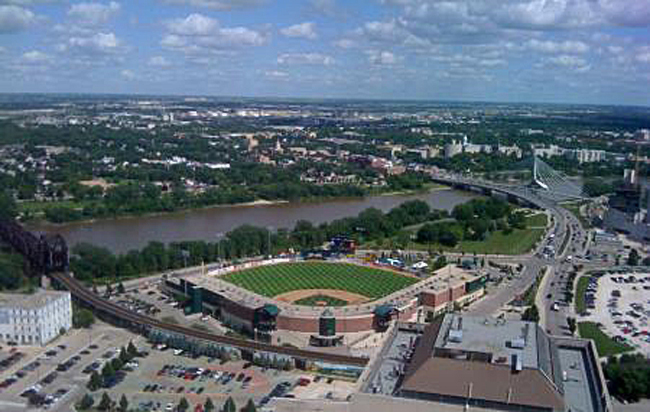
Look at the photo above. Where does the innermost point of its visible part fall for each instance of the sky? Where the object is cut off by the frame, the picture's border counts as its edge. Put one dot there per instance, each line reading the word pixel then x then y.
pixel 566 51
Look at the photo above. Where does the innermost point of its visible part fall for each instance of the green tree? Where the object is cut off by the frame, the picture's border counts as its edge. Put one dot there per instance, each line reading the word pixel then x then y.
pixel 209 405
pixel 633 258
pixel 108 372
pixel 183 405
pixel 86 402
pixel 105 403
pixel 8 208
pixel 250 406
pixel 124 404
pixel 132 350
pixel 572 325
pixel 531 314
pixel 81 317
pixel 229 405
pixel 95 382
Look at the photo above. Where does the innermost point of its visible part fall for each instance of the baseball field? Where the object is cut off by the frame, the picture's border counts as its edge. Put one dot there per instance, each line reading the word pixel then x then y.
pixel 321 277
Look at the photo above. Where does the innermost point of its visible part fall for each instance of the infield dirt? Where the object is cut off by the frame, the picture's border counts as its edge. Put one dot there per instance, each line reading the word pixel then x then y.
pixel 294 295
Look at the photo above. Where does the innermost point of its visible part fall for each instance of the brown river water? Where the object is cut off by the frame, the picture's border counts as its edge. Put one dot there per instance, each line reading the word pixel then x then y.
pixel 123 234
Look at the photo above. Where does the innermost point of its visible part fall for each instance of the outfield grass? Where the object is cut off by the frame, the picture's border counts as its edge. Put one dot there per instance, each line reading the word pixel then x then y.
pixel 277 279
pixel 583 283
pixel 316 299
pixel 604 344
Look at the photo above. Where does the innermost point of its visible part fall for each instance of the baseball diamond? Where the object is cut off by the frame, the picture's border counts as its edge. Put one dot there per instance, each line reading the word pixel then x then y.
pixel 279 279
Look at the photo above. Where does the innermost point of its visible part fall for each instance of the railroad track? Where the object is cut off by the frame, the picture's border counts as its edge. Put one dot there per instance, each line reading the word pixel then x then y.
pixel 98 303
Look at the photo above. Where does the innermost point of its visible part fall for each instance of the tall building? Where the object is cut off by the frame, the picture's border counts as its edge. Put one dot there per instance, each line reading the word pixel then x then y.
pixel 34 319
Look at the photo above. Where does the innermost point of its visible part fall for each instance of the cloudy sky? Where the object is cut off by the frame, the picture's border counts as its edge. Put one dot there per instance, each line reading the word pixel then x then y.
pixel 574 51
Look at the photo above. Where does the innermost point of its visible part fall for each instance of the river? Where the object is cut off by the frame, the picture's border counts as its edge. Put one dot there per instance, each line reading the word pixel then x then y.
pixel 123 234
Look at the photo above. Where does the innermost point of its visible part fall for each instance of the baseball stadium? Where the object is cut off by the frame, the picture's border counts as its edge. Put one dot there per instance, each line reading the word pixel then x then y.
pixel 326 302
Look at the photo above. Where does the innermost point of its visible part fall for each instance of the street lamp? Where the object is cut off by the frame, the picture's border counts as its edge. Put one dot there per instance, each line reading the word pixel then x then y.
pixel 219 236
pixel 269 229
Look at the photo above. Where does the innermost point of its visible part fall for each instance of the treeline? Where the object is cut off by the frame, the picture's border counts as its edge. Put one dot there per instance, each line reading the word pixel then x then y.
pixel 90 262
pixel 141 198
pixel 473 220
pixel 628 377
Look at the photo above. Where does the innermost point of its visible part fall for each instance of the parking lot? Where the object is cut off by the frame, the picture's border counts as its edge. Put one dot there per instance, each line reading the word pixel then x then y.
pixel 52 376
pixel 165 377
pixel 621 304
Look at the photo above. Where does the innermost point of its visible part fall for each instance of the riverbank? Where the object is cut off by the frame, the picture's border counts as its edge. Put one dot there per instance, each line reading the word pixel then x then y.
pixel 46 223
pixel 39 208
pixel 123 234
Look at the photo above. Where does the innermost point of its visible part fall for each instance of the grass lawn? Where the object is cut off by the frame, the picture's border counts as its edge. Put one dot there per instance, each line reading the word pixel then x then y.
pixel 537 220
pixel 516 242
pixel 581 306
pixel 277 279
pixel 604 344
pixel 316 299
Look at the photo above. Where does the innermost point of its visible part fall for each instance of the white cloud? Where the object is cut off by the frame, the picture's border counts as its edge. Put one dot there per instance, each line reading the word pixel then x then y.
pixel 159 61
pixel 276 74
pixel 193 25
pixel 35 56
pixel 572 62
pixel 305 58
pixel 93 14
pixel 127 74
pixel 99 43
pixel 381 57
pixel 306 30
pixel 218 4
pixel 548 46
pixel 643 54
pixel 15 18
pixel 197 33
pixel 345 43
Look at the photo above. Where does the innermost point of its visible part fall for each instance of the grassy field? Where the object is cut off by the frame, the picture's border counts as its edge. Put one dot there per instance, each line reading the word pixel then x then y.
pixel 316 299
pixel 581 306
pixel 605 345
pixel 537 220
pixel 516 242
pixel 277 279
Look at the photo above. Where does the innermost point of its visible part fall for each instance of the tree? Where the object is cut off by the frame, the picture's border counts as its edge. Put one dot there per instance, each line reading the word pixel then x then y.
pixel 105 403
pixel 86 402
pixel 8 208
pixel 183 405
pixel 531 314
pixel 124 356
pixel 82 318
pixel 572 325
pixel 633 258
pixel 132 350
pixel 120 288
pixel 229 405
pixel 250 406
pixel 124 404
pixel 108 372
pixel 95 382
pixel 209 405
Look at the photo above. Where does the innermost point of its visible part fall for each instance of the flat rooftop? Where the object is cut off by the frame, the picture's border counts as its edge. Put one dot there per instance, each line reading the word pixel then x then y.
pixel 459 358
pixel 502 339
pixel 29 301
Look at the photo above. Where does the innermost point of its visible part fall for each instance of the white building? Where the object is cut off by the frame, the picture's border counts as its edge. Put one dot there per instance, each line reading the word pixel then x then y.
pixel 34 319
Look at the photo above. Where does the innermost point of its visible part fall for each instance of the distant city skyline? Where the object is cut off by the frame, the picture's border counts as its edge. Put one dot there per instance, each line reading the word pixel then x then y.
pixel 561 51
